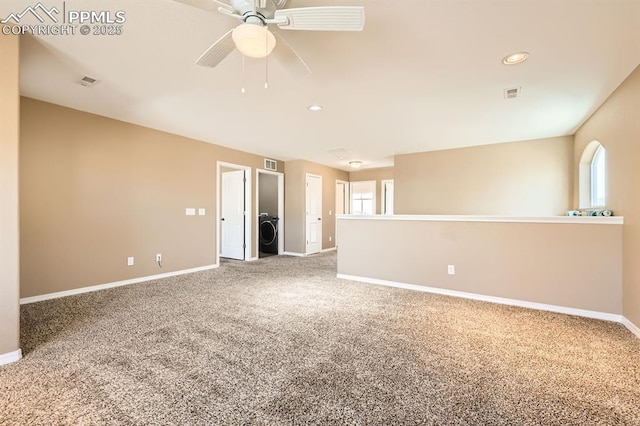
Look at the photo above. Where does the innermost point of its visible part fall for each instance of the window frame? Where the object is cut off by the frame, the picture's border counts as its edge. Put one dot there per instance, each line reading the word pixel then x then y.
pixel 353 192
pixel 588 179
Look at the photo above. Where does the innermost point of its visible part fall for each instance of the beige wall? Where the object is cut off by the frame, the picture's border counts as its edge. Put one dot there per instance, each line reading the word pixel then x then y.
pixel 616 125
pixel 9 220
pixel 95 191
pixel 531 178
pixel 509 260
pixel 380 174
pixel 295 203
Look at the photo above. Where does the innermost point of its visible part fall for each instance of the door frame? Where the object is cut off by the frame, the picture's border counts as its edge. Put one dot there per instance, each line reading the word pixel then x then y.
pixel 280 209
pixel 306 218
pixel 247 207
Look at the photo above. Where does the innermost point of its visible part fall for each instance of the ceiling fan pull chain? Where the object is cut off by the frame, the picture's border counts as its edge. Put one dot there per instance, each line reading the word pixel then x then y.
pixel 242 90
pixel 266 61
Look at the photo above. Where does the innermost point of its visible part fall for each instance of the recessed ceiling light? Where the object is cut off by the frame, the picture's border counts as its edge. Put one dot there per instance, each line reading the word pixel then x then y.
pixel 315 108
pixel 515 58
pixel 355 164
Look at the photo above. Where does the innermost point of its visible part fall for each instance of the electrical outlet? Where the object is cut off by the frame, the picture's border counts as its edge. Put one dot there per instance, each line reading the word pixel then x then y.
pixel 129 261
pixel 451 269
pixel 159 257
pixel 330 238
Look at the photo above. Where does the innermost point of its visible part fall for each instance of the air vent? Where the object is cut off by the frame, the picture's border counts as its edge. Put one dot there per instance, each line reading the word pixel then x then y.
pixel 88 81
pixel 339 152
pixel 270 164
pixel 512 93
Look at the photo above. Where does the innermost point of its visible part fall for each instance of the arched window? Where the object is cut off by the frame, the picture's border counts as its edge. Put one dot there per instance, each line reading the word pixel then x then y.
pixel 598 178
pixel 592 176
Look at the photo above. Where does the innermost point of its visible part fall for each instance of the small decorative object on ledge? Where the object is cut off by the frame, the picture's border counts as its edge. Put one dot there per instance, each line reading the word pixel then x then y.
pixel 606 213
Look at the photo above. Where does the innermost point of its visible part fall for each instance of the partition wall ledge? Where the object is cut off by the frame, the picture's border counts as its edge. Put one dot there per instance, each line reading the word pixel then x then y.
pixel 599 220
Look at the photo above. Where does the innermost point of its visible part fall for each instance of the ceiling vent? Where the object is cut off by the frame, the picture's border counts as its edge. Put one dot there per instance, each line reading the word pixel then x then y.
pixel 512 93
pixel 270 165
pixel 88 81
pixel 339 152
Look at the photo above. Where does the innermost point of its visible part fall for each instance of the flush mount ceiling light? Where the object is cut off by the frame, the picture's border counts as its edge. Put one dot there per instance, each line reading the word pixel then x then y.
pixel 355 164
pixel 515 58
pixel 253 40
pixel 315 108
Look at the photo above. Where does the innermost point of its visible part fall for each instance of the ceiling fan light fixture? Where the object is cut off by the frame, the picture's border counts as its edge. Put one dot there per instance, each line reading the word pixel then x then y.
pixel 253 40
pixel 515 58
pixel 315 108
pixel 355 164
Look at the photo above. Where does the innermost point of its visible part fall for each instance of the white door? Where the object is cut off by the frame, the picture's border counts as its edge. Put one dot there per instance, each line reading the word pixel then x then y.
pixel 232 226
pixel 314 214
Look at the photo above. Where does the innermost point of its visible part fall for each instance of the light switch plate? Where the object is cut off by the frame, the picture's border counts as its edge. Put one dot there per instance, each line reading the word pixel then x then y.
pixel 202 212
pixel 129 261
pixel 191 212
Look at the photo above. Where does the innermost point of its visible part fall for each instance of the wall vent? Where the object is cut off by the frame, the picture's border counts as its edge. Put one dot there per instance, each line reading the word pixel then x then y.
pixel 88 81
pixel 270 165
pixel 512 92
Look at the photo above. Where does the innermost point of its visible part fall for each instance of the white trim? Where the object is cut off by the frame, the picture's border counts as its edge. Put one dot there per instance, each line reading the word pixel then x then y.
pixel 11 357
pixel 631 326
pixel 290 253
pixel 492 299
pixel 247 206
pixel 253 259
pixel 329 249
pixel 57 295
pixel 599 220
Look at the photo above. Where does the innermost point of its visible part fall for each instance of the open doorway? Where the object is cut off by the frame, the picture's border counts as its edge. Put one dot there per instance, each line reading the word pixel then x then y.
pixel 233 196
pixel 270 209
pixel 342 202
pixel 387 197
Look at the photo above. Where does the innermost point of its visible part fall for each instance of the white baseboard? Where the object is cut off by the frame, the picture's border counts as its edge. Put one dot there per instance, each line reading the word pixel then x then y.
pixel 11 357
pixel 329 249
pixel 49 296
pixel 500 300
pixel 290 253
pixel 631 326
pixel 253 259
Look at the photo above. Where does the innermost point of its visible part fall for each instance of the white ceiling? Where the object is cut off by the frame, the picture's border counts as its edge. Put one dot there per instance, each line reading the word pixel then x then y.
pixel 423 75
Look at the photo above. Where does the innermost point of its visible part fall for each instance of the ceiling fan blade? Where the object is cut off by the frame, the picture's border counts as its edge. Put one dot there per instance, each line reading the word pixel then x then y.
pixel 288 57
pixel 330 18
pixel 217 52
pixel 210 5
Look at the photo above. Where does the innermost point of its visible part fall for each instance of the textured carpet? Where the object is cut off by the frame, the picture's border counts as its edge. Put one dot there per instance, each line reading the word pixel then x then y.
pixel 282 341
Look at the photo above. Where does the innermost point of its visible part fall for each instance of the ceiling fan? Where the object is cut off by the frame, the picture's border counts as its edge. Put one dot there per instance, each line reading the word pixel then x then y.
pixel 253 38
